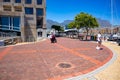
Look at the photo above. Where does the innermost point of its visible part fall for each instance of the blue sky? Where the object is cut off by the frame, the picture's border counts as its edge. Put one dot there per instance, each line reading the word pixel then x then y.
pixel 60 10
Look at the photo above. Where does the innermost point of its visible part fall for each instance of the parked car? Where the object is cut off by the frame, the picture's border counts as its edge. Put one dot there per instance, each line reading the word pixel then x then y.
pixel 110 38
pixel 114 37
pixel 118 41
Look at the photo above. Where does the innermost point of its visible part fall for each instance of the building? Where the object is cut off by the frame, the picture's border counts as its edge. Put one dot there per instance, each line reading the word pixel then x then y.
pixel 25 18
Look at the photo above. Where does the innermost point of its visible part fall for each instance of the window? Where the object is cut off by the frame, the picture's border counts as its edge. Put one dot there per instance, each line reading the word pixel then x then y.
pixel 28 10
pixel 10 23
pixel 39 34
pixel 18 8
pixel 39 2
pixel 17 1
pixel 4 22
pixel 6 0
pixel 39 22
pixel 39 12
pixel 7 8
pixel 16 23
pixel 28 1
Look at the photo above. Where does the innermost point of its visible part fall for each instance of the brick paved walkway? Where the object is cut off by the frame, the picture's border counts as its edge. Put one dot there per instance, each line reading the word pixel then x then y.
pixel 51 61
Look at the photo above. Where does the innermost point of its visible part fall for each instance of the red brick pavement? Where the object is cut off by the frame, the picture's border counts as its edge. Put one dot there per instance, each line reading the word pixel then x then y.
pixel 40 61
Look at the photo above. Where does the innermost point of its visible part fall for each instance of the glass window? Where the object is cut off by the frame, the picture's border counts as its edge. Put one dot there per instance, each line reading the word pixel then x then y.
pixel 39 2
pixel 39 12
pixel 17 1
pixel 4 22
pixel 6 0
pixel 28 1
pixel 10 23
pixel 28 10
pixel 16 23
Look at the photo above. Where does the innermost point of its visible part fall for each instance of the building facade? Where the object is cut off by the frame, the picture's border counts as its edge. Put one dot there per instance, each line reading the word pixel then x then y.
pixel 26 18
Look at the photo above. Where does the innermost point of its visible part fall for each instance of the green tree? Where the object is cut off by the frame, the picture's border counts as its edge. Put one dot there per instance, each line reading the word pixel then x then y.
pixel 86 21
pixel 72 25
pixel 57 28
pixel 61 29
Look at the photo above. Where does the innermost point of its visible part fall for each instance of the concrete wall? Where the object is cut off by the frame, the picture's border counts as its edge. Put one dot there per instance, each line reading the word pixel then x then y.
pixel 28 22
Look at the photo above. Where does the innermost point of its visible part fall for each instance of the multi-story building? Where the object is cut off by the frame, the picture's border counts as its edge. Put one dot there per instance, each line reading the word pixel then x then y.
pixel 26 18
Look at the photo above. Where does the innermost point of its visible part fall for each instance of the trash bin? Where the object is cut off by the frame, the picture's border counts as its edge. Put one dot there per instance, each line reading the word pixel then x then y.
pixel 2 43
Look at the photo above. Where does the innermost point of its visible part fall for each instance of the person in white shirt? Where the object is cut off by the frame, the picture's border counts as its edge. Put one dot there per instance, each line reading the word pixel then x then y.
pixel 99 40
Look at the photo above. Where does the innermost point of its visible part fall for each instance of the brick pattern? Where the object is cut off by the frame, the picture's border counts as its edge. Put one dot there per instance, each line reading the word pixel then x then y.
pixel 39 61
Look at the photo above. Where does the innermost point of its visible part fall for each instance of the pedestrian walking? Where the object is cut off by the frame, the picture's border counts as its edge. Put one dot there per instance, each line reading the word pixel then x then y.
pixel 99 41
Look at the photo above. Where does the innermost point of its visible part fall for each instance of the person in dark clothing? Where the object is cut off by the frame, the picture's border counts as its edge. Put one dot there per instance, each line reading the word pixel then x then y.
pixel 53 38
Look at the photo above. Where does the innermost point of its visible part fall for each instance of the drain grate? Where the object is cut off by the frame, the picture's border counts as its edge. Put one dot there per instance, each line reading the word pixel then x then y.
pixel 64 65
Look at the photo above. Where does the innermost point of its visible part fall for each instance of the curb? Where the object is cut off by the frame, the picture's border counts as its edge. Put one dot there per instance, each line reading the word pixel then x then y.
pixel 90 75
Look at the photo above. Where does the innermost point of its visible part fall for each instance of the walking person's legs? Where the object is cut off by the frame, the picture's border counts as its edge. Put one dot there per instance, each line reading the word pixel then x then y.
pixel 99 45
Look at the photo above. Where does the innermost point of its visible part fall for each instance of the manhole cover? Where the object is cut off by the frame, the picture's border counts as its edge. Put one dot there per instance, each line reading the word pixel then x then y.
pixel 64 65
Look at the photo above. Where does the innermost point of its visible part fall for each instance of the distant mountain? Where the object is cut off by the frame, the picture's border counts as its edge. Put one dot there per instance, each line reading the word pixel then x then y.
pixel 102 23
pixel 66 22
pixel 50 23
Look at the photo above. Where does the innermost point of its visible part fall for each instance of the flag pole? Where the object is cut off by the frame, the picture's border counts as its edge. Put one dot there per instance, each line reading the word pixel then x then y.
pixel 111 16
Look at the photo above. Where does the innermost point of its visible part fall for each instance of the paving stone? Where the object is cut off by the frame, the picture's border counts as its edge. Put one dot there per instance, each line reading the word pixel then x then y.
pixel 39 61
